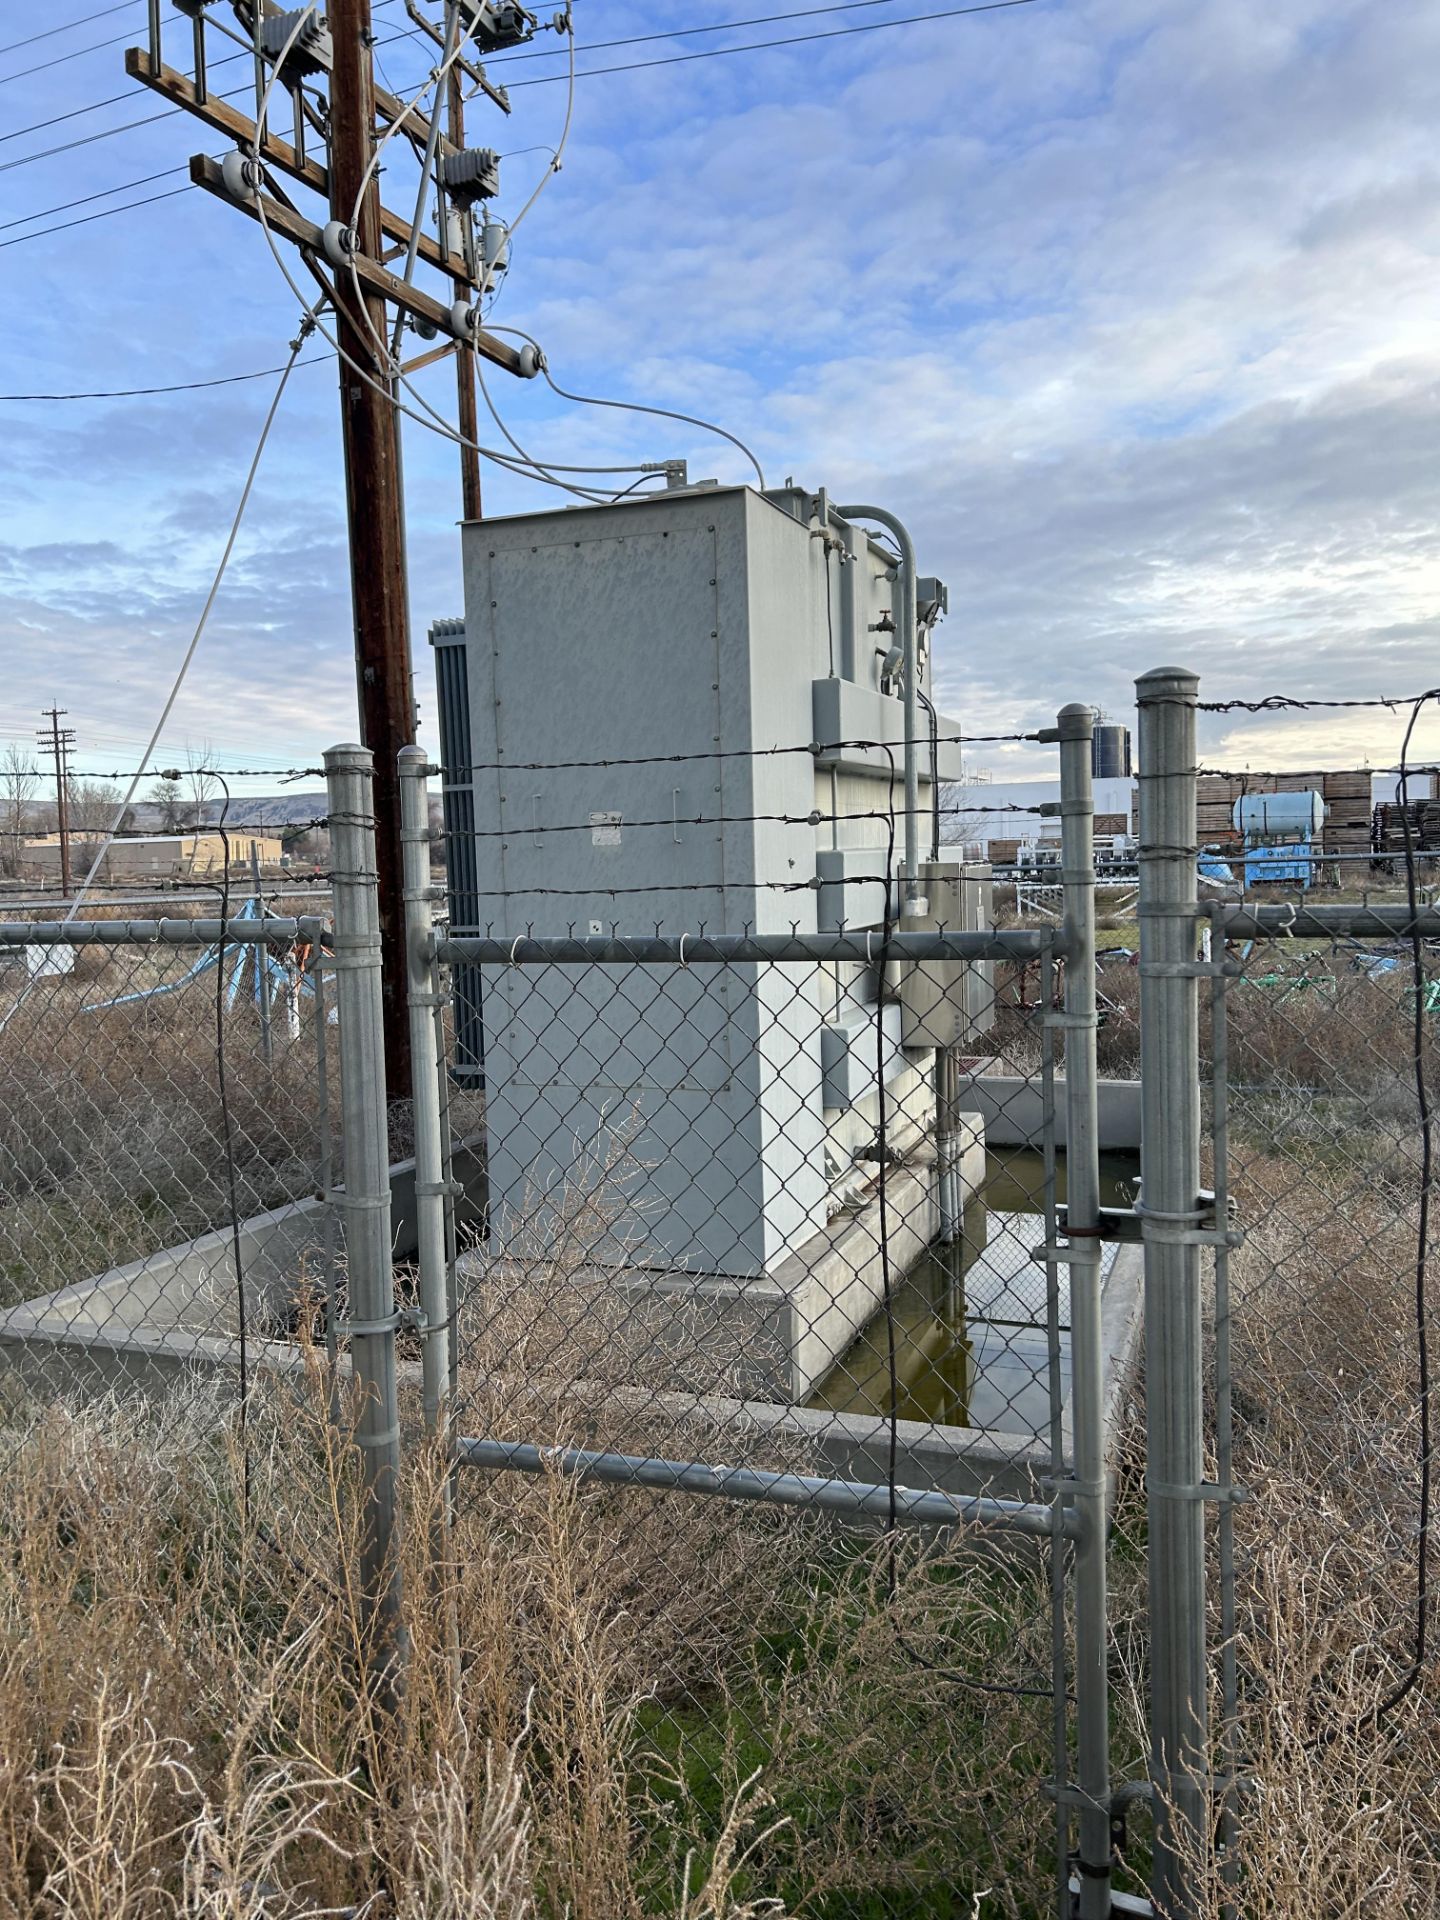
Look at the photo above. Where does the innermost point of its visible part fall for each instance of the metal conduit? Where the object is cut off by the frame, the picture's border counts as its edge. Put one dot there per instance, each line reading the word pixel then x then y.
pixel 851 1499
pixel 167 933
pixel 999 943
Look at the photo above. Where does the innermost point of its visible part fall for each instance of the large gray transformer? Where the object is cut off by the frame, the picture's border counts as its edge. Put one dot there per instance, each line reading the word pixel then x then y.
pixel 684 713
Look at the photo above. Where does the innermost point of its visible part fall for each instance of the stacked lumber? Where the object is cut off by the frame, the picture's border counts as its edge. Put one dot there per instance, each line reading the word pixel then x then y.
pixel 1346 795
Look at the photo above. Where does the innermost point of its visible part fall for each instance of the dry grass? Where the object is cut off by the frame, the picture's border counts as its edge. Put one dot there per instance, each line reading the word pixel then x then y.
pixel 184 1719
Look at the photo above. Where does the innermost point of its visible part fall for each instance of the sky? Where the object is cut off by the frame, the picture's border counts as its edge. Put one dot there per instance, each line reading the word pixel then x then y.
pixel 1127 309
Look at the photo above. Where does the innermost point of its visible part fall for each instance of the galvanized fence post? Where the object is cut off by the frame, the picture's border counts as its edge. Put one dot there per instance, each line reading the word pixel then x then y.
pixel 1086 1488
pixel 1171 1220
pixel 366 1203
pixel 423 997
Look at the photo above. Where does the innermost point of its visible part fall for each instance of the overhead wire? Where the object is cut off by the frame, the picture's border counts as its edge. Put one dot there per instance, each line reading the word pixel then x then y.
pixel 182 386
pixel 311 310
pixel 709 53
pixel 118 818
pixel 790 40
pixel 49 33
pixel 201 623
pixel 636 406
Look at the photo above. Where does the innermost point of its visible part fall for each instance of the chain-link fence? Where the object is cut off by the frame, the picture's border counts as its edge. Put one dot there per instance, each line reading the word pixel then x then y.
pixel 773 1304
pixel 778 1288
pixel 166 1129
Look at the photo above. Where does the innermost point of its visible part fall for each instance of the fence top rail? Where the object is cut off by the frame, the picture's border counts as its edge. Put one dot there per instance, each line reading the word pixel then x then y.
pixel 1001 943
pixel 270 932
pixel 1278 919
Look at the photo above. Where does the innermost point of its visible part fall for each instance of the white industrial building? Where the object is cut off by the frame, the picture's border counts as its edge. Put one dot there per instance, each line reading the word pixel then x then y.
pixel 991 820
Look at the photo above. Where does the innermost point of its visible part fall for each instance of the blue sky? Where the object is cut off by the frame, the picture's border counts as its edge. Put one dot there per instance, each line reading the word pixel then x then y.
pixel 1129 309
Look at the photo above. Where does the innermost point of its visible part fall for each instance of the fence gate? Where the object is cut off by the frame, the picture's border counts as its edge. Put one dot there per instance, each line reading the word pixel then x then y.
pixel 1288 1053
pixel 783 1373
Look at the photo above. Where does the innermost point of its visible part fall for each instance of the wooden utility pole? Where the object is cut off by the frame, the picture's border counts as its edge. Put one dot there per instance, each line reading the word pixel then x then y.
pixel 375 504
pixel 351 259
pixel 467 416
pixel 57 741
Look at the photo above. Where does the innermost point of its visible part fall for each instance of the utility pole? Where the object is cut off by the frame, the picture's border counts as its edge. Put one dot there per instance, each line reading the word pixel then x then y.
pixel 375 505
pixel 467 416
pixel 57 742
pixel 326 65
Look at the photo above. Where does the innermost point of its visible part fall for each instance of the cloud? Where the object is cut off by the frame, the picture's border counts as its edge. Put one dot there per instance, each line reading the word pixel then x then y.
pixel 1126 305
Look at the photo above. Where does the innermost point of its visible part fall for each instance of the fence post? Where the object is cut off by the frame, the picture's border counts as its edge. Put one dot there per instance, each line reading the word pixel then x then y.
pixel 422 998
pixel 366 1155
pixel 1170 1220
pixel 1074 727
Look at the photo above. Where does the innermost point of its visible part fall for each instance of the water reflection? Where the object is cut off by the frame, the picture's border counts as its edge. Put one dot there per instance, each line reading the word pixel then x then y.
pixel 969 1320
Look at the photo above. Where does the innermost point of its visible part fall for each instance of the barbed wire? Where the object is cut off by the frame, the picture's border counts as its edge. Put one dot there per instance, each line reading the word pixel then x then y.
pixel 811 747
pixel 1285 702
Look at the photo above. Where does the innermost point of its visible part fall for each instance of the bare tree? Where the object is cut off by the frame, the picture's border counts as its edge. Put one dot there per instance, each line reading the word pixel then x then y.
pixel 168 794
pixel 201 782
pixel 93 805
pixel 19 777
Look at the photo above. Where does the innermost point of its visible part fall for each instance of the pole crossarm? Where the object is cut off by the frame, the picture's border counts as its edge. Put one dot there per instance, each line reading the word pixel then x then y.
pixel 374 278
pixel 276 152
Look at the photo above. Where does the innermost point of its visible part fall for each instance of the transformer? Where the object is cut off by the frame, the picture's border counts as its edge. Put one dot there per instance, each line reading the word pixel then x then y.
pixel 681 713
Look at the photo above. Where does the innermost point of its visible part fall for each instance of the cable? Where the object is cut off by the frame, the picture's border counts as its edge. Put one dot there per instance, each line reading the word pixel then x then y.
pixel 634 406
pixel 69 26
pixel 227 1139
pixel 184 386
pixel 200 624
pixel 792 40
pixel 86 199
pixel 555 164
pixel 85 219
pixel 685 33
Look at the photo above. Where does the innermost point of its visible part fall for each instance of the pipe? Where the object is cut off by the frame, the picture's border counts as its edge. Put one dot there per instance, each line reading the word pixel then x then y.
pixel 1075 727
pixel 422 997
pixel 910 642
pixel 1174 1340
pixel 720 949
pixel 349 776
pixel 918 1507
pixel 166 933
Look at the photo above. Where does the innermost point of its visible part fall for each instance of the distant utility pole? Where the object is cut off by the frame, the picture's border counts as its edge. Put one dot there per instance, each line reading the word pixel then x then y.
pixel 349 258
pixel 57 742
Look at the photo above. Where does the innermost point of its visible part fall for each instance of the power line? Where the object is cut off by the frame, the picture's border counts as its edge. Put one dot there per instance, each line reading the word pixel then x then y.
pixel 84 200
pixel 182 386
pixel 709 53
pixel 791 40
pixel 13 46
pixel 104 214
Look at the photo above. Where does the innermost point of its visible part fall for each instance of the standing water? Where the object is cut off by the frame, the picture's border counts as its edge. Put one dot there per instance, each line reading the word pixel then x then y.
pixel 970 1337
